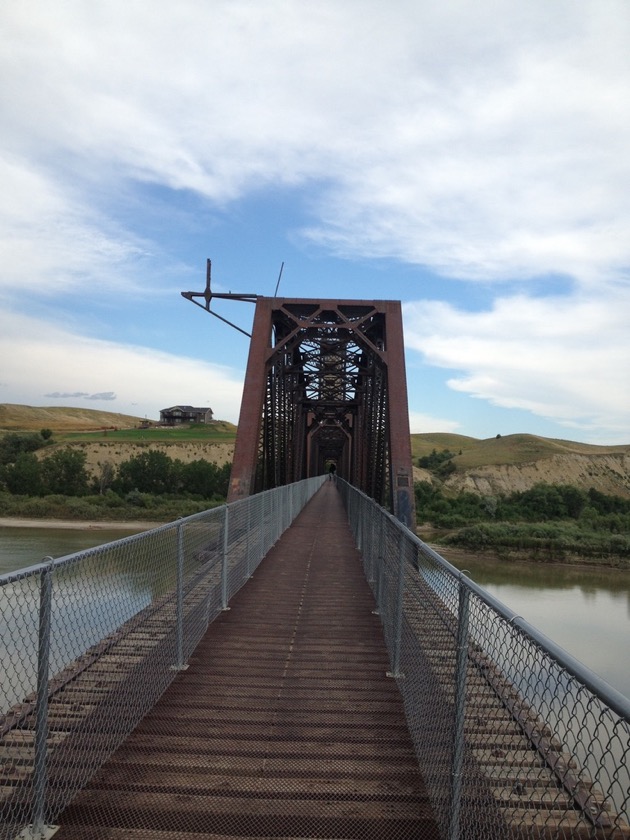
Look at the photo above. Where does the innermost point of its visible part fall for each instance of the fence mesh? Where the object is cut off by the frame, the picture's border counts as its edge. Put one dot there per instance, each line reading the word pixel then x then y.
pixel 89 642
pixel 514 738
pixel 511 737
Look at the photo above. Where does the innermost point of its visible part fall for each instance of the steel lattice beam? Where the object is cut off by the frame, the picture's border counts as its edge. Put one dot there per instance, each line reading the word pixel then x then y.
pixel 325 382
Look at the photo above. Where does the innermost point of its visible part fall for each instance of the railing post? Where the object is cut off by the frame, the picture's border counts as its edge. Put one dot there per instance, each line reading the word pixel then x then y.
pixel 224 564
pixel 460 708
pixel 248 550
pixel 180 665
pixel 40 779
pixel 369 566
pixel 260 513
pixel 291 495
pixel 263 524
pixel 395 672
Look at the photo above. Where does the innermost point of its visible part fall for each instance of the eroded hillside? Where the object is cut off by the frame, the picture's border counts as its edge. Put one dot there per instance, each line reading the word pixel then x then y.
pixel 608 473
pixel 97 453
pixel 502 464
pixel 517 462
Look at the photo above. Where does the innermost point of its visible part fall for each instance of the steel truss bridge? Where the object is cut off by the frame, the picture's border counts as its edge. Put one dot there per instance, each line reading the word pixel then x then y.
pixel 325 385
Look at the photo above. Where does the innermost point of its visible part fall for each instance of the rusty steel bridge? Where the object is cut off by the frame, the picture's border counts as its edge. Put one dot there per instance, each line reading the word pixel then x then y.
pixel 296 664
pixel 325 384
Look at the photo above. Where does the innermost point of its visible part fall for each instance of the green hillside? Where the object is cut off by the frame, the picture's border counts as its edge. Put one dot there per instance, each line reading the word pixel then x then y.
pixel 84 424
pixel 27 418
pixel 508 449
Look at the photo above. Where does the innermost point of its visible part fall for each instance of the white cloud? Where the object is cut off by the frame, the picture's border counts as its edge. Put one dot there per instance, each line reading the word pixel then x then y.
pixel 484 140
pixel 419 423
pixel 487 141
pixel 64 395
pixel 43 356
pixel 50 243
pixel 560 358
pixel 104 395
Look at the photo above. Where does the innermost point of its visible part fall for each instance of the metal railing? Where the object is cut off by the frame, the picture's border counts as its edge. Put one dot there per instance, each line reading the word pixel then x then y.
pixel 514 737
pixel 89 642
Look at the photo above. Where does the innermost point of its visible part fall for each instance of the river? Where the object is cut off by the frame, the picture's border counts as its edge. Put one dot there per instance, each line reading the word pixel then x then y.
pixel 585 610
pixel 24 546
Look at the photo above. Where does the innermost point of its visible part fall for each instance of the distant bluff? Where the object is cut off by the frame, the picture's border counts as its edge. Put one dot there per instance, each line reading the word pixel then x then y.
pixel 499 465
pixel 512 463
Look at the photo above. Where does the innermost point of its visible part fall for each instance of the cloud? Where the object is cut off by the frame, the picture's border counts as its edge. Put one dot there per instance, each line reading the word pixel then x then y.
pixel 51 242
pixel 104 395
pixel 485 141
pixel 564 359
pixel 482 144
pixel 56 395
pixel 419 423
pixel 41 352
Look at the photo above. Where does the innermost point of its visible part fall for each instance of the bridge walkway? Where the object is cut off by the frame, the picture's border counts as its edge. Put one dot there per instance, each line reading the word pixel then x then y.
pixel 284 725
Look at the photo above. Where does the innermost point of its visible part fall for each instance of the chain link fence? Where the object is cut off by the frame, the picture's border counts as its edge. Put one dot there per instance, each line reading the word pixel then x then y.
pixel 514 737
pixel 90 641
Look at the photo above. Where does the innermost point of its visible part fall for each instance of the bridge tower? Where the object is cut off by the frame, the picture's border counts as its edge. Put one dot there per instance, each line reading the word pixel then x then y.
pixel 325 383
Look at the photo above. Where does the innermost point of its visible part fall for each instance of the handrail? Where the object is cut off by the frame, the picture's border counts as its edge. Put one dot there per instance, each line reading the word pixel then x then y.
pixel 459 638
pixel 152 593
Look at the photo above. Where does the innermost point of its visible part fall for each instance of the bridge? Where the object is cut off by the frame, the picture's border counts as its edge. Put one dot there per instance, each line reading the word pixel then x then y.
pixel 294 664
pixel 297 663
pixel 325 385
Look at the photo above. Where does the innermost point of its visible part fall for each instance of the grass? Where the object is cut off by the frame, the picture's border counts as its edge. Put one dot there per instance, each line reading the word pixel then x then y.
pixel 106 508
pixel 71 425
pixel 27 418
pixel 219 432
pixel 508 449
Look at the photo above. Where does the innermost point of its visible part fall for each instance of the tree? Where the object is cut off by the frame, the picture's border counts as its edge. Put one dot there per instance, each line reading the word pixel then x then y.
pixel 13 444
pixel 105 477
pixel 64 472
pixel 205 478
pixel 24 477
pixel 149 472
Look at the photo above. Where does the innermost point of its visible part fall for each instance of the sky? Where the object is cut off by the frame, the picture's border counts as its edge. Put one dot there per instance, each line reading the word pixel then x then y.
pixel 469 159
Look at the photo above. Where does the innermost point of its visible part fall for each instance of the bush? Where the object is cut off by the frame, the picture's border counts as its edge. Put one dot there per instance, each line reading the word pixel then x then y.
pixel 149 472
pixel 135 498
pixel 80 508
pixel 24 477
pixel 12 445
pixel 438 462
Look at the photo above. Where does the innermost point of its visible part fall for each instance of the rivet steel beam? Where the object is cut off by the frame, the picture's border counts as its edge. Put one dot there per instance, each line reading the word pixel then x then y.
pixel 325 382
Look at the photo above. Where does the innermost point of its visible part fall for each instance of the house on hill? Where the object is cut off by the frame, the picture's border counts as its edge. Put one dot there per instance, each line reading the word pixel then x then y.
pixel 184 414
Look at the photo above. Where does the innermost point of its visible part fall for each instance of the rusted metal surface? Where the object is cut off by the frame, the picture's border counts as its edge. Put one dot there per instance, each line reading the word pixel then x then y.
pixel 285 723
pixel 325 383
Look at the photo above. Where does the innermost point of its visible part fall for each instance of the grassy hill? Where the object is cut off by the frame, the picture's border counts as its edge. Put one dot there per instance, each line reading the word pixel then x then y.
pixel 511 463
pixel 509 449
pixel 85 424
pixel 26 418
pixel 490 466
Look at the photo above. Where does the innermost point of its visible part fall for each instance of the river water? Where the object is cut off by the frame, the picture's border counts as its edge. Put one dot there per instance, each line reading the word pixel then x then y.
pixel 585 610
pixel 22 547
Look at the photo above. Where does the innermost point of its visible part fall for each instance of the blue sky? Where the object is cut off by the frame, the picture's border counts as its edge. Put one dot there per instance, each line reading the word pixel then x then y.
pixel 468 159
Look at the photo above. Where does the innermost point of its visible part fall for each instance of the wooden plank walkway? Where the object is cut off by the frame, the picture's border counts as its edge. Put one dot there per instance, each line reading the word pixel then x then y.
pixel 285 724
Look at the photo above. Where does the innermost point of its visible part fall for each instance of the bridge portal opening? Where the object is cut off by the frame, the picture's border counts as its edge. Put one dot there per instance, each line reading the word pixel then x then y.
pixel 325 383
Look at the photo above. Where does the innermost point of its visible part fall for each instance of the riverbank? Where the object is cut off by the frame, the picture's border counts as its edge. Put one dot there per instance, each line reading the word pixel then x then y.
pixel 77 524
pixel 457 556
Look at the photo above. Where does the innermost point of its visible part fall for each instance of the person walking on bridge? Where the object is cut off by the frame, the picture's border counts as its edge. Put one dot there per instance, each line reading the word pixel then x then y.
pixel 332 469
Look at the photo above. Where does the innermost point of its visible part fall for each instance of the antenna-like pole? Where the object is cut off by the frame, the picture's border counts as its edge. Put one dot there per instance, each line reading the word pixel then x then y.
pixel 208 294
pixel 279 278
